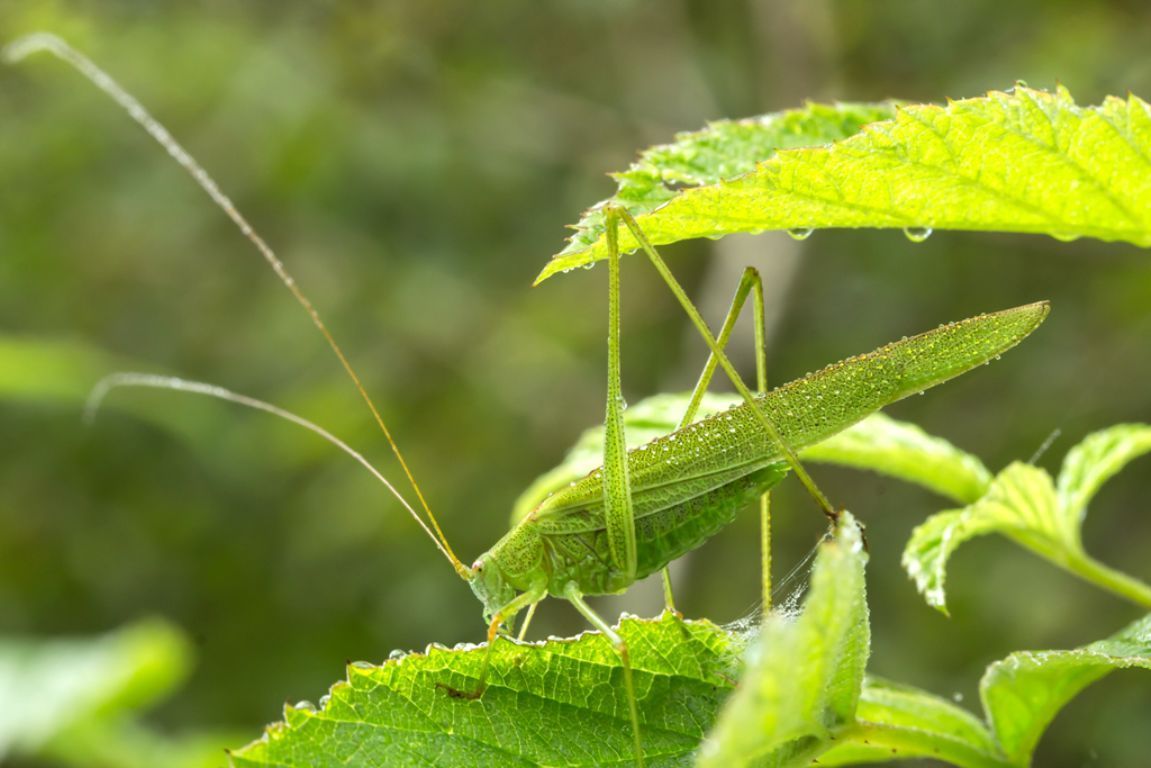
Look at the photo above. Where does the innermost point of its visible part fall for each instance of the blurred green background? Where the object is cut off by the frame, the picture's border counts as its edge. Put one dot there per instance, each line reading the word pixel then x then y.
pixel 415 163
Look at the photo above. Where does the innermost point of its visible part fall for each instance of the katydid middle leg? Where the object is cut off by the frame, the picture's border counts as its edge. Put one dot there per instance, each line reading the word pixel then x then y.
pixel 572 595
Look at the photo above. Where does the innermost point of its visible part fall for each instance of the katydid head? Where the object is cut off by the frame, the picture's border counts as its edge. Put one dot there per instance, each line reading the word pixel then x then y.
pixel 489 584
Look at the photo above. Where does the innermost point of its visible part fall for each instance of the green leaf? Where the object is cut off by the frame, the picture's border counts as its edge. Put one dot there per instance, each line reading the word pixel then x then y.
pixel 722 151
pixel 1021 503
pixel 50 688
pixel 558 702
pixel 899 721
pixel 1093 462
pixel 1024 504
pixel 803 680
pixel 1024 692
pixel 1022 161
pixel 905 451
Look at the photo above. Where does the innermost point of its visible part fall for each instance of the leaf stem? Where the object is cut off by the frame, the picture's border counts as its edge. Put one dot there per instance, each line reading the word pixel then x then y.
pixel 912 742
pixel 1104 577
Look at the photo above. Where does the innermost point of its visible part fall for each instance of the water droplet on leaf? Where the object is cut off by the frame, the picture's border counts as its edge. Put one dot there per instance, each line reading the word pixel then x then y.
pixel 800 233
pixel 917 234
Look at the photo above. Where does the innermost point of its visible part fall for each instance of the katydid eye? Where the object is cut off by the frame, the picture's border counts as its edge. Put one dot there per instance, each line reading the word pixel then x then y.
pixel 478 566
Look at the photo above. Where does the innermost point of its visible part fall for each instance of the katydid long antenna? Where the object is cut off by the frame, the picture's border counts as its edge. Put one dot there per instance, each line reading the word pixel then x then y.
pixel 42 42
pixel 105 385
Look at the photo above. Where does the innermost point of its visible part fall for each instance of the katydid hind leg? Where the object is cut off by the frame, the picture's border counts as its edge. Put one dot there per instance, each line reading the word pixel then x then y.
pixel 619 214
pixel 750 283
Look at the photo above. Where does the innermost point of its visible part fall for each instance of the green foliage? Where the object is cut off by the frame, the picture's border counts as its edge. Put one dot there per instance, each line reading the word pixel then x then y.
pixel 50 369
pixel 899 721
pixel 1021 696
pixel 904 451
pixel 803 680
pixel 1022 161
pixel 556 702
pixel 724 150
pixel 48 688
pixel 76 700
pixel 1044 516
pixel 1023 693
pixel 562 702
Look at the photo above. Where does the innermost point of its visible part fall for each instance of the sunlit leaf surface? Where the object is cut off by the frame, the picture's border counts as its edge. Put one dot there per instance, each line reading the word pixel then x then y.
pixel 1021 161
pixel 558 702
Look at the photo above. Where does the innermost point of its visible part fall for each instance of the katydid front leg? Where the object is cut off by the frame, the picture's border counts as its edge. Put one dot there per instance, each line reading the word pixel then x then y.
pixel 618 511
pixel 501 617
pixel 619 514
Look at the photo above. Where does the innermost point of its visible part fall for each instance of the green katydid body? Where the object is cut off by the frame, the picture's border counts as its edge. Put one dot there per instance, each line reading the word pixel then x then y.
pixel 688 485
pixel 645 507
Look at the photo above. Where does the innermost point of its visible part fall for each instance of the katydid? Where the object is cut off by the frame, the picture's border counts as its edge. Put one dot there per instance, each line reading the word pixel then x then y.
pixel 647 506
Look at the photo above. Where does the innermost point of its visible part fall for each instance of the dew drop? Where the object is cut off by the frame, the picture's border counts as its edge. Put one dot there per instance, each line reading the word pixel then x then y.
pixel 800 233
pixel 917 234
pixel 304 706
pixel 365 665
pixel 397 655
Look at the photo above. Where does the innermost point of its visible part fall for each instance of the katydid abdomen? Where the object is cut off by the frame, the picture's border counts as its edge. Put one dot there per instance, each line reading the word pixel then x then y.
pixel 689 484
